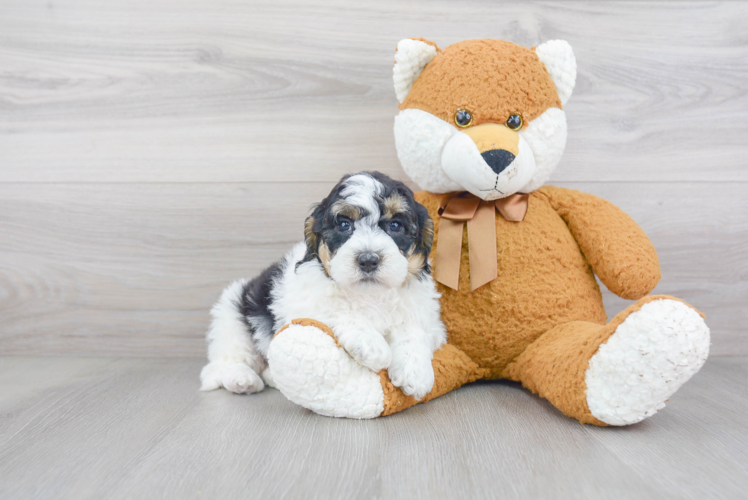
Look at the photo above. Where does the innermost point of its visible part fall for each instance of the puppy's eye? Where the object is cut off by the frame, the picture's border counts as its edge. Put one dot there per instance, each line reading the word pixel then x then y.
pixel 395 227
pixel 463 118
pixel 344 226
pixel 514 122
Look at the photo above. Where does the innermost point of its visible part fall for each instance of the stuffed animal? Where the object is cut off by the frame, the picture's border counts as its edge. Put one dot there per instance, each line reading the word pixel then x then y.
pixel 481 128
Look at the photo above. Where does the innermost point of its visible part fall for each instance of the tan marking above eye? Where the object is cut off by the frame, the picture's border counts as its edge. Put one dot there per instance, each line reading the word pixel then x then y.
pixel 394 204
pixel 346 210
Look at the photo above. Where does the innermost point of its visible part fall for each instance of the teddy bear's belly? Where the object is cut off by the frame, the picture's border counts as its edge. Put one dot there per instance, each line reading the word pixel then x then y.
pixel 543 280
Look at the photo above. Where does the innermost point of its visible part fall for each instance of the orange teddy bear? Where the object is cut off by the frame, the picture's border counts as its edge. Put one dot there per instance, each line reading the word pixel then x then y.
pixel 481 128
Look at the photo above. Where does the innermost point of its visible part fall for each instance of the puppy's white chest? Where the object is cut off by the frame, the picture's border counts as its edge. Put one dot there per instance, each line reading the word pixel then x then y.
pixel 380 311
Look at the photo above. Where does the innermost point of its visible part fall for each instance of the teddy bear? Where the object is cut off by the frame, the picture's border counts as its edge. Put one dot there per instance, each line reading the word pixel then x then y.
pixel 481 127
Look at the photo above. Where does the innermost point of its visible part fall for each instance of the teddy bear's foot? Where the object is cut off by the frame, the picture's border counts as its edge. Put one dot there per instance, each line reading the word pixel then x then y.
pixel 651 354
pixel 312 370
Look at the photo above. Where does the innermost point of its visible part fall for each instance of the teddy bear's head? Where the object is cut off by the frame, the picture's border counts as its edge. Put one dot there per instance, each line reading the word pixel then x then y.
pixel 483 116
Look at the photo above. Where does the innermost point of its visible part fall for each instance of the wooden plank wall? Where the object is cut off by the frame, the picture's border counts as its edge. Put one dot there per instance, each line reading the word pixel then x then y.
pixel 153 150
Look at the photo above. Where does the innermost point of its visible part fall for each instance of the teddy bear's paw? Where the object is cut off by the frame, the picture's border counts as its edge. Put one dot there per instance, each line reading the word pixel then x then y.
pixel 650 356
pixel 233 376
pixel 415 377
pixel 311 370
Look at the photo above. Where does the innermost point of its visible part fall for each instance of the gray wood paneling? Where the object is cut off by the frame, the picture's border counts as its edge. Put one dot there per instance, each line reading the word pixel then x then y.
pixel 135 428
pixel 197 90
pixel 153 150
pixel 129 269
pixel 132 269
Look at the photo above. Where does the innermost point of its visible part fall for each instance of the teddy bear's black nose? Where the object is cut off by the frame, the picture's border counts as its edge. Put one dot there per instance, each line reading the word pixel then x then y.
pixel 368 262
pixel 498 159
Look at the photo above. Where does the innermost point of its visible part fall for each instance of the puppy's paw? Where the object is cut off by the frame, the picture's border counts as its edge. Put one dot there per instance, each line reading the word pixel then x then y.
pixel 415 377
pixel 370 350
pixel 235 377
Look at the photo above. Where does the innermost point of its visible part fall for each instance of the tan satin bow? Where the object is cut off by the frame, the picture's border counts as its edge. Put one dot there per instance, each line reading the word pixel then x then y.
pixel 455 210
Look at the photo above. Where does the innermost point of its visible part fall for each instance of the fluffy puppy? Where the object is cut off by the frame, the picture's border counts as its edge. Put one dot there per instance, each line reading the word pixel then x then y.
pixel 362 270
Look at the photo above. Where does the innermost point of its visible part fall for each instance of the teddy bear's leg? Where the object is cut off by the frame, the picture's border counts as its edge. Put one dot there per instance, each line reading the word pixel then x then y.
pixel 619 373
pixel 312 370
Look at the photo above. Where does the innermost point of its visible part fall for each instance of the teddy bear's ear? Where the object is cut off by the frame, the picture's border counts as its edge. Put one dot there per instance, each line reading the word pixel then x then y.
pixel 411 56
pixel 560 62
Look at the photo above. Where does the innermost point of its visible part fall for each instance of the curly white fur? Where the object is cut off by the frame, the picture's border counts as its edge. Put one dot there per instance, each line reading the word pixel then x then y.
pixel 380 327
pixel 235 361
pixel 397 328
pixel 386 319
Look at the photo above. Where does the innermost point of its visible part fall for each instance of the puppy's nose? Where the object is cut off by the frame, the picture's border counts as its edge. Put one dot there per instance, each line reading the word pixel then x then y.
pixel 498 159
pixel 368 262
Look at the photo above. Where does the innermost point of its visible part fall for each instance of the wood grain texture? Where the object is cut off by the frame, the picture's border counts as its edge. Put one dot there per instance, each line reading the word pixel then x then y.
pixel 132 269
pixel 225 91
pixel 151 151
pixel 135 428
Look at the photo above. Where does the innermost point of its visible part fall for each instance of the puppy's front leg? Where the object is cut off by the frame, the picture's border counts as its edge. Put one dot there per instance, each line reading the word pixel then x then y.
pixel 366 345
pixel 411 368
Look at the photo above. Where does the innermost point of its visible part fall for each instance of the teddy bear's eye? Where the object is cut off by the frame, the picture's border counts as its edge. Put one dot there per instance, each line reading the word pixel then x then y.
pixel 514 122
pixel 463 118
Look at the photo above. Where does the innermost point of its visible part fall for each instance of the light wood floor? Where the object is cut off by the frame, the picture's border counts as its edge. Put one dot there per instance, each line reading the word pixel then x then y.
pixel 138 428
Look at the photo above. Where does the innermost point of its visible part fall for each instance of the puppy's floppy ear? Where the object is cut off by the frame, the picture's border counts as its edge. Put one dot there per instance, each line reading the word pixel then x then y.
pixel 425 237
pixel 312 228
pixel 411 56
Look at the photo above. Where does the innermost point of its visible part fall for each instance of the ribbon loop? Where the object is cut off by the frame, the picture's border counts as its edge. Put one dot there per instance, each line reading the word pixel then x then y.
pixel 459 208
pixel 513 207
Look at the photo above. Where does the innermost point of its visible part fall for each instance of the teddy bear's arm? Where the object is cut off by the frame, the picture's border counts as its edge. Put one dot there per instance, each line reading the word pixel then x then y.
pixel 614 245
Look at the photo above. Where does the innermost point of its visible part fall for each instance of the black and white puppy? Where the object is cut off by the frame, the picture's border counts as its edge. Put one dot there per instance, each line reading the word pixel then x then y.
pixel 362 270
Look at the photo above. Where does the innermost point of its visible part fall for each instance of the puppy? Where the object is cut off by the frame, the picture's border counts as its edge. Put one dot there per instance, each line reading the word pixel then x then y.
pixel 362 270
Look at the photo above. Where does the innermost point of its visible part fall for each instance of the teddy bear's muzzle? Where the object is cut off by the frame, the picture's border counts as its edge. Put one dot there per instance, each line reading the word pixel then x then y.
pixel 497 145
pixel 489 160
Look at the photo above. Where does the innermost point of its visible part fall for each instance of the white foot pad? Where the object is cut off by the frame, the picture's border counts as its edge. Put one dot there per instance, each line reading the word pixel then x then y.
pixel 267 377
pixel 649 357
pixel 313 372
pixel 233 376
